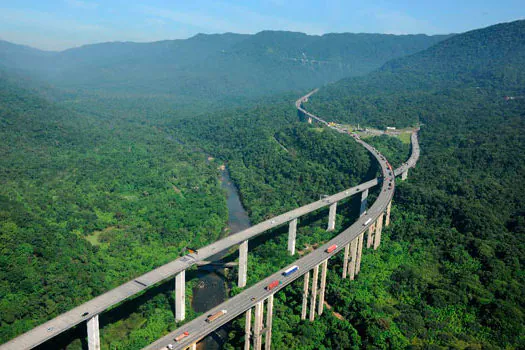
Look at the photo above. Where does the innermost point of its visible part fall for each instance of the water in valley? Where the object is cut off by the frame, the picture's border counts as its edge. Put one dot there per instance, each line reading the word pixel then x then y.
pixel 211 289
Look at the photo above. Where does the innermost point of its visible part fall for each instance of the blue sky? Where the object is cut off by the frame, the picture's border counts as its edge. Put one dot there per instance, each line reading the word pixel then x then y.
pixel 61 24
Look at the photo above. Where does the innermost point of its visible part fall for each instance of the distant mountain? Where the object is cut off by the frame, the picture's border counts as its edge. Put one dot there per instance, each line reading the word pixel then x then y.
pixel 495 54
pixel 491 58
pixel 215 65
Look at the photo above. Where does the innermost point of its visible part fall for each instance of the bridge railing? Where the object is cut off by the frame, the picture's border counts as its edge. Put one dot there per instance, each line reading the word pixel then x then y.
pixel 257 294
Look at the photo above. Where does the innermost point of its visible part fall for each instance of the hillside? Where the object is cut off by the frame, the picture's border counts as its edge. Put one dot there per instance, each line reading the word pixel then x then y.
pixel 88 202
pixel 454 259
pixel 486 61
pixel 214 65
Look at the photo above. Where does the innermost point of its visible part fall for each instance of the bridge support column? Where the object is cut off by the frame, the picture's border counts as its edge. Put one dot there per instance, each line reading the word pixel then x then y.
pixel 305 295
pixel 370 236
pixel 180 296
pixel 379 228
pixel 93 333
pixel 243 264
pixel 247 329
pixel 387 217
pixel 309 120
pixel 364 202
pixel 257 327
pixel 323 287
pixel 331 217
pixel 345 260
pixel 353 255
pixel 292 232
pixel 193 346
pixel 359 253
pixel 404 175
pixel 269 316
pixel 313 296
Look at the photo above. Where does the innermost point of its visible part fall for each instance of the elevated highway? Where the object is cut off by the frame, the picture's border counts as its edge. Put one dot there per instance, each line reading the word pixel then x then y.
pixel 89 312
pixel 258 293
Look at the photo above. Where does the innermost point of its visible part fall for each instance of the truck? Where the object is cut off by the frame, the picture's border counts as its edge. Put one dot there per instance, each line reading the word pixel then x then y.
pixel 273 285
pixel 215 316
pixel 181 336
pixel 367 222
pixel 331 248
pixel 291 270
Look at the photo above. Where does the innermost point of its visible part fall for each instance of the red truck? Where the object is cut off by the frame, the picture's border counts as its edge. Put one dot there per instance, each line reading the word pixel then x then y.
pixel 181 336
pixel 273 285
pixel 331 248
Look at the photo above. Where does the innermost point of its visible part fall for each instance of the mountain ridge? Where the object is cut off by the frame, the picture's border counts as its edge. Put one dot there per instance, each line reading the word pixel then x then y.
pixel 215 65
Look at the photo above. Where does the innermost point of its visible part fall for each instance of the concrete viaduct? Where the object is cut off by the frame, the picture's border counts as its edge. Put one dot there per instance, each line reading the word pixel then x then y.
pixel 351 241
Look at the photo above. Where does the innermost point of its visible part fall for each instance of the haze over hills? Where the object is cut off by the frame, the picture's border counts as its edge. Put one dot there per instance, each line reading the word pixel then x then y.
pixel 91 199
pixel 215 65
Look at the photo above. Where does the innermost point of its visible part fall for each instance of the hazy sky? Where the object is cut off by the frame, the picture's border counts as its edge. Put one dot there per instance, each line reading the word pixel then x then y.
pixel 60 24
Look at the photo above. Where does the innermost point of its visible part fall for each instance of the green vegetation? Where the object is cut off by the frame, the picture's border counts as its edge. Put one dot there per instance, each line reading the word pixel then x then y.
pixel 88 203
pixel 450 273
pixel 214 66
pixel 97 189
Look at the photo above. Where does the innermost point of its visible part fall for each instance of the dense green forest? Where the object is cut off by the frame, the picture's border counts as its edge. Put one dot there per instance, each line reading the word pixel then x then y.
pixel 97 189
pixel 88 203
pixel 450 271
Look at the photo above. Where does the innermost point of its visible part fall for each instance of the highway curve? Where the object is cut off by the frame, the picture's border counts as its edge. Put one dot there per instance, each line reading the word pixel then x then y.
pixel 237 305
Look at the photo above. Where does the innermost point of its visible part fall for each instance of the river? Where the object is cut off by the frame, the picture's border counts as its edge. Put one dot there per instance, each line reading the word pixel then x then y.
pixel 211 289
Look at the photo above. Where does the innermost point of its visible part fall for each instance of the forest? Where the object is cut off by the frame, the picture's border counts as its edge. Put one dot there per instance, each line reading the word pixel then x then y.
pixel 98 189
pixel 450 273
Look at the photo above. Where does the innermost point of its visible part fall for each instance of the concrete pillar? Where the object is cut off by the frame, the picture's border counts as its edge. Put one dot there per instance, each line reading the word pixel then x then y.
pixel 305 295
pixel 313 296
pixel 404 175
pixel 193 346
pixel 243 264
pixel 291 236
pixel 387 217
pixel 180 296
pixel 323 287
pixel 331 217
pixel 353 255
pixel 269 316
pixel 309 120
pixel 364 202
pixel 93 333
pixel 359 253
pixel 370 237
pixel 247 329
pixel 345 260
pixel 257 327
pixel 379 228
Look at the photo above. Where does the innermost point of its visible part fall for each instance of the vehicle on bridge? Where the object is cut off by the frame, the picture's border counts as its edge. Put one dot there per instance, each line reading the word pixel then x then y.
pixel 216 315
pixel 367 222
pixel 331 248
pixel 273 285
pixel 181 336
pixel 291 270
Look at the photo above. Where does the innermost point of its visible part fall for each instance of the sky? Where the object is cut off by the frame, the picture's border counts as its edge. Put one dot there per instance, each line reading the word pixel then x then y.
pixel 62 24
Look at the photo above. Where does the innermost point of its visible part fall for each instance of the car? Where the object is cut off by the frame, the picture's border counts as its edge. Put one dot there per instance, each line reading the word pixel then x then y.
pixel 170 346
pixel 85 314
pixel 252 298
